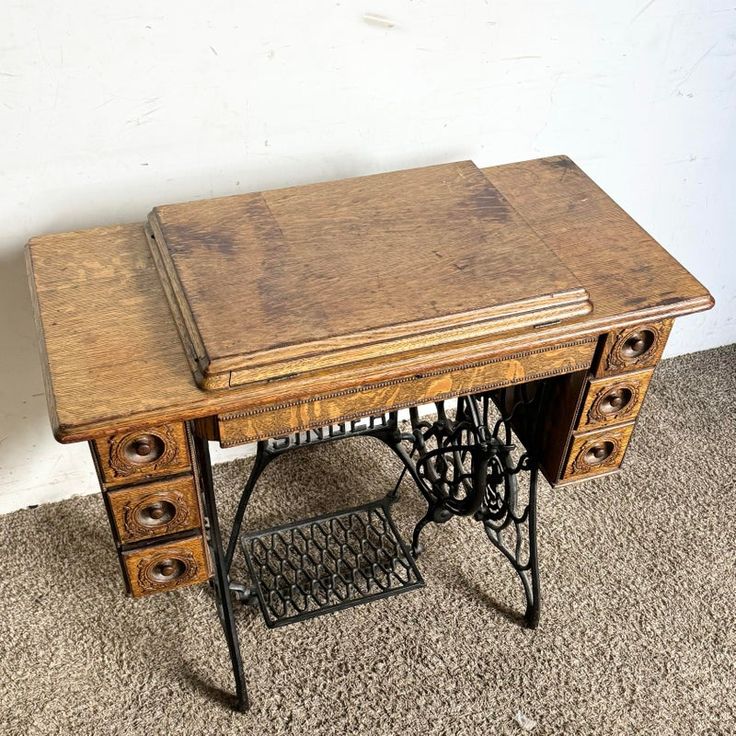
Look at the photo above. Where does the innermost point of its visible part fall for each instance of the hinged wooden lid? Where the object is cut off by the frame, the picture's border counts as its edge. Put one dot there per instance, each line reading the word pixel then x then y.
pixel 270 284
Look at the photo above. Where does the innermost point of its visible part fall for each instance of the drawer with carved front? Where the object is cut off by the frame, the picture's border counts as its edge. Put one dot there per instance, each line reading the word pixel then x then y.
pixel 154 509
pixel 613 400
pixel 597 452
pixel 130 457
pixel 633 348
pixel 163 567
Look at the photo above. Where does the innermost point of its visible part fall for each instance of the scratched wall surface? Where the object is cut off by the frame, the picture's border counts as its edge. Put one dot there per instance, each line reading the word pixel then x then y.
pixel 105 111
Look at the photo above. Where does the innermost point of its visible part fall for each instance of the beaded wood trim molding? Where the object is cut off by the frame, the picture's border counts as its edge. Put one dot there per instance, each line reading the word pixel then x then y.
pixel 408 379
pixel 282 431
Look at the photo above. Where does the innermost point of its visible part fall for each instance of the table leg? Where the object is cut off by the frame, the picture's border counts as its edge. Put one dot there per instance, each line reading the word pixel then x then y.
pixel 263 457
pixel 464 467
pixel 220 581
pixel 520 527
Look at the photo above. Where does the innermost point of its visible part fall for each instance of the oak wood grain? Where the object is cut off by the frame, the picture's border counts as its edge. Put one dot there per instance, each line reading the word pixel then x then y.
pixel 632 348
pixel 597 452
pixel 239 427
pixel 166 566
pixel 154 509
pixel 292 280
pixel 141 454
pixel 629 276
pixel 614 399
pixel 113 359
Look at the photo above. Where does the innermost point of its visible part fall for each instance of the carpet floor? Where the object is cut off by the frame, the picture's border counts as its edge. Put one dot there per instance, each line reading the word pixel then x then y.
pixel 637 634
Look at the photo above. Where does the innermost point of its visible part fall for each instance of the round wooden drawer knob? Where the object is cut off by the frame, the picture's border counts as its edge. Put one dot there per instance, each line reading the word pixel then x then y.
pixel 615 400
pixel 145 448
pixel 156 514
pixel 637 343
pixel 169 569
pixel 598 453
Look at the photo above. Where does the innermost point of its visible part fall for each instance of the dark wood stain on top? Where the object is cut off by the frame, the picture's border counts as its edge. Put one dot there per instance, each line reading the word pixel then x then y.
pixel 486 204
pixel 185 237
pixel 559 162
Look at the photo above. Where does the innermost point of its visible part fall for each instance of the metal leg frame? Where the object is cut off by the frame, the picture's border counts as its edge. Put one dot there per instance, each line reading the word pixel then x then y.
pixel 221 583
pixel 464 467
pixel 461 466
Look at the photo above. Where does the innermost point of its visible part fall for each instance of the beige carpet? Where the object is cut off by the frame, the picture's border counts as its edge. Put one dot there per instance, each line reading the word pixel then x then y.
pixel 637 633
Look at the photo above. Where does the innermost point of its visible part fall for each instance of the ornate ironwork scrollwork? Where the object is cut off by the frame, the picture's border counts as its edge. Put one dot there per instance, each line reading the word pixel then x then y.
pixel 465 467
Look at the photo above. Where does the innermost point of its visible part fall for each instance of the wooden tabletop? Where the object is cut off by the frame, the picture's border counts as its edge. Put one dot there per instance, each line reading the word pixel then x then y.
pixel 291 280
pixel 113 358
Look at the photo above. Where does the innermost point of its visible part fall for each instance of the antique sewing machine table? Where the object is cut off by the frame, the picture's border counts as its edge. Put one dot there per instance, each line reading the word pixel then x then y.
pixel 520 294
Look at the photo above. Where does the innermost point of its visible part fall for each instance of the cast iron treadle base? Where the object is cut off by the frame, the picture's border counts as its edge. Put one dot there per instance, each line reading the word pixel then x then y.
pixel 328 563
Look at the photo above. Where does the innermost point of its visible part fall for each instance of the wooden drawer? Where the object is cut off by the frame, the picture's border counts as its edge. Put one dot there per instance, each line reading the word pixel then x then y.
pixel 633 348
pixel 344 406
pixel 167 566
pixel 144 453
pixel 597 452
pixel 613 400
pixel 154 509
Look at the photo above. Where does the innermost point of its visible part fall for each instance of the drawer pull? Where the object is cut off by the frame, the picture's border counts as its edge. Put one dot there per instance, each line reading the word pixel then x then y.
pixel 156 514
pixel 633 348
pixel 146 448
pixel 160 512
pixel 166 566
pixel 154 509
pixel 596 454
pixel 161 571
pixel 142 453
pixel 165 571
pixel 615 400
pixel 638 343
pixel 612 400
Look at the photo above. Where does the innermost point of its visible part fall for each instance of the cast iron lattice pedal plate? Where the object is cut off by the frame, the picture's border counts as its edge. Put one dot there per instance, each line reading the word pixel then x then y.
pixel 328 563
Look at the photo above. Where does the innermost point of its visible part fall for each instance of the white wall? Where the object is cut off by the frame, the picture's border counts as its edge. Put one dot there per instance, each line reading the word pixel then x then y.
pixel 109 108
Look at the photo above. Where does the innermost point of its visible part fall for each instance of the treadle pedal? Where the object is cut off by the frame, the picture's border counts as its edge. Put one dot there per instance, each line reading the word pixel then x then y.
pixel 316 566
